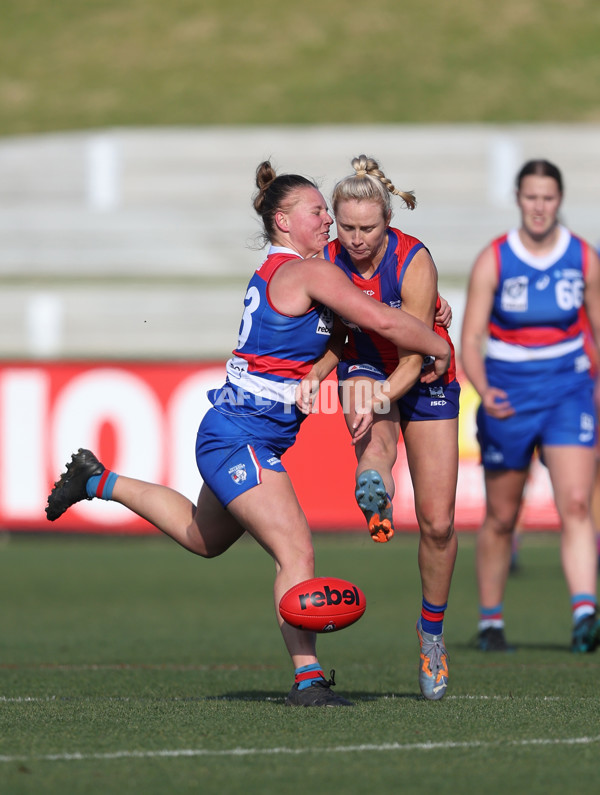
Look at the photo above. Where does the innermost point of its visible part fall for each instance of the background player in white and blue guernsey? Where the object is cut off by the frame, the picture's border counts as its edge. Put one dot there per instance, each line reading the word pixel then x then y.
pixel 528 292
pixel 285 327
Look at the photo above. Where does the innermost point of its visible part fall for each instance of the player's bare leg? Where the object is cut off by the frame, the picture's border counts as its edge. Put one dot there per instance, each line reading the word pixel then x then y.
pixel 572 472
pixel 270 512
pixel 504 493
pixel 432 455
pixel 206 529
pixel 272 515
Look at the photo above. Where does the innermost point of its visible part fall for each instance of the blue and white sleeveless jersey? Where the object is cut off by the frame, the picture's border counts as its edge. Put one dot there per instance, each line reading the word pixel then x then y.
pixel 274 352
pixel 535 349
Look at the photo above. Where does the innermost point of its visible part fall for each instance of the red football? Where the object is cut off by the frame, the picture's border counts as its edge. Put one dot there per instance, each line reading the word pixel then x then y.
pixel 322 604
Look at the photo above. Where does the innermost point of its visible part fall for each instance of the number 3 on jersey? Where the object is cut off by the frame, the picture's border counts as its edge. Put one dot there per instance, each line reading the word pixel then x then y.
pixel 251 302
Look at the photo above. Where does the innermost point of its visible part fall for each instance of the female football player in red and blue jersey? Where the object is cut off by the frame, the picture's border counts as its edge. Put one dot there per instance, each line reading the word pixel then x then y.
pixel 286 325
pixel 397 270
pixel 524 306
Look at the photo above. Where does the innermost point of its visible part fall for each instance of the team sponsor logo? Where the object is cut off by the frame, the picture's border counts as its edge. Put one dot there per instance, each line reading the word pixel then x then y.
pixel 238 473
pixel 273 460
pixel 237 367
pixel 569 273
pixel 368 367
pixel 514 297
pixel 396 303
pixel 325 323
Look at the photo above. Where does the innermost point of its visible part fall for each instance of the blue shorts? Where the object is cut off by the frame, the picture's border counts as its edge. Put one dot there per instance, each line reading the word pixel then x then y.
pixel 230 461
pixel 435 401
pixel 510 443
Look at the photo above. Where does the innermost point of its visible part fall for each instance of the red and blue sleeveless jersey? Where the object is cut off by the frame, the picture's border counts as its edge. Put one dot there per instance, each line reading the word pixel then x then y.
pixel 275 351
pixel 385 285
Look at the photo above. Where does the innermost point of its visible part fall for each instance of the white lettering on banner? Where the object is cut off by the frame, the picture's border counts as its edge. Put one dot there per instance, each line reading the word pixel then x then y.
pixel 24 400
pixel 49 410
pixel 152 442
pixel 123 400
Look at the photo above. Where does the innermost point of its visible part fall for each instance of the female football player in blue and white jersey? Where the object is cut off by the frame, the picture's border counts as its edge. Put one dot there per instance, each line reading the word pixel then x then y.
pixel 286 325
pixel 526 294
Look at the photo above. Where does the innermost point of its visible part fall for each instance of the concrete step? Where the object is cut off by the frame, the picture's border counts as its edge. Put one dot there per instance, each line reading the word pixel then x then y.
pixel 139 242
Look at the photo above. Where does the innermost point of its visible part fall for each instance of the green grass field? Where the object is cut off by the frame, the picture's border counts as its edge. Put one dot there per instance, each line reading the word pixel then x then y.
pixel 131 666
pixel 73 65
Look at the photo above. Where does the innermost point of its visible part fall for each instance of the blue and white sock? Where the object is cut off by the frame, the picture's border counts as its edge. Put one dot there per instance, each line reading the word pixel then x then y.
pixel 582 605
pixel 491 617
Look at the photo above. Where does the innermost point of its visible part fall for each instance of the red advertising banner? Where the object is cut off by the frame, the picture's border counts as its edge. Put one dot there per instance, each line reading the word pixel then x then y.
pixel 141 420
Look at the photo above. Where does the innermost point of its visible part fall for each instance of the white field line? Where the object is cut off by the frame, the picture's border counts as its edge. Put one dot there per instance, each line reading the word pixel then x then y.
pixel 338 749
pixel 77 667
pixel 47 699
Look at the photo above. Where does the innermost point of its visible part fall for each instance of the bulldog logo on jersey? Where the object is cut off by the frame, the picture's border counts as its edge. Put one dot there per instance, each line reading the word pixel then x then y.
pixel 238 473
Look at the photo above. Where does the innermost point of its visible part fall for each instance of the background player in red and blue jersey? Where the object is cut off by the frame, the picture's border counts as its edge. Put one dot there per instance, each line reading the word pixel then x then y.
pixel 285 327
pixel 524 306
